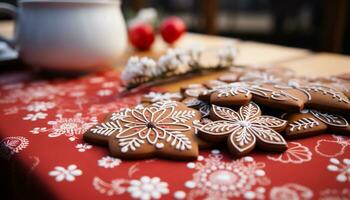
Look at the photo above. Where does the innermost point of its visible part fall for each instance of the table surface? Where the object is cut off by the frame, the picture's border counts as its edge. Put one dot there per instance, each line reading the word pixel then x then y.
pixel 46 145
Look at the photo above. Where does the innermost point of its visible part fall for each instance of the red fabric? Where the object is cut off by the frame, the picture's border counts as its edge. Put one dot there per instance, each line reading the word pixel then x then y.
pixel 33 146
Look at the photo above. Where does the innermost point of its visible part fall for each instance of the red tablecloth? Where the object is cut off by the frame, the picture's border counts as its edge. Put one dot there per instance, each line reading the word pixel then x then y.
pixel 43 154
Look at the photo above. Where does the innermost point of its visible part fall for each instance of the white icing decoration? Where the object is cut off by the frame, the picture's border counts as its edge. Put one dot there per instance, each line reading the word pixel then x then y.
pixel 303 123
pixel 319 88
pixel 155 123
pixel 106 129
pixel 245 127
pixel 330 119
pixel 260 77
pixel 234 89
pixel 159 145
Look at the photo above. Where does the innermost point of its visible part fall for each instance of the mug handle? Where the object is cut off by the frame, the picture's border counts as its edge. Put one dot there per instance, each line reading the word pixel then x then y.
pixel 11 11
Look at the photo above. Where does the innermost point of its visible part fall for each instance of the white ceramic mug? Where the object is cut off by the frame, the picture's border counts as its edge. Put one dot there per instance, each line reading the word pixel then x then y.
pixel 68 35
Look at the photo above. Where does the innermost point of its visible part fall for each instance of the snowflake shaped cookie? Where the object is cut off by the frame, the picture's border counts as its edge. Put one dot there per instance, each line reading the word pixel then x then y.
pixel 161 129
pixel 313 122
pixel 244 129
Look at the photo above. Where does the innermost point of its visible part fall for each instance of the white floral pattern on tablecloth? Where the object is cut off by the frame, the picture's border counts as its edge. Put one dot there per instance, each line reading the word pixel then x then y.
pixel 71 127
pixel 144 188
pixel 35 116
pixel 341 167
pixel 12 145
pixel 335 194
pixel 216 179
pixel 296 154
pixel 291 191
pixel 66 174
pixel 38 106
pixel 109 162
pixel 71 106
pixel 83 147
pixel 332 147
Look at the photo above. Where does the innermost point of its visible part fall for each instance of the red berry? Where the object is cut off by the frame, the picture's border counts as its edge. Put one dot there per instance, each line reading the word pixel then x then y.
pixel 141 35
pixel 172 28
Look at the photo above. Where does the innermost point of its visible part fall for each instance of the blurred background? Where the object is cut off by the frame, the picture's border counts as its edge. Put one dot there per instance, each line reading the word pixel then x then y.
pixel 319 25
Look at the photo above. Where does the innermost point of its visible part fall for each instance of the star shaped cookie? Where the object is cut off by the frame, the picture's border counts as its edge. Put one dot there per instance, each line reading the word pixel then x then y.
pixel 244 130
pixel 163 129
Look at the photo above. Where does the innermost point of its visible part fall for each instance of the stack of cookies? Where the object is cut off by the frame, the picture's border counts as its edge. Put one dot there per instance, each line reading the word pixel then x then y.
pixel 243 110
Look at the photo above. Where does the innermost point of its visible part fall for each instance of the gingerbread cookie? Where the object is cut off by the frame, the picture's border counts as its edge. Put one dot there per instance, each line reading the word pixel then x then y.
pixel 261 77
pixel 163 129
pixel 153 97
pixel 240 93
pixel 213 83
pixel 319 96
pixel 199 105
pixel 244 129
pixel 336 83
pixel 312 122
pixel 203 144
pixel 192 90
pixel 272 75
pixel 294 96
pixel 229 78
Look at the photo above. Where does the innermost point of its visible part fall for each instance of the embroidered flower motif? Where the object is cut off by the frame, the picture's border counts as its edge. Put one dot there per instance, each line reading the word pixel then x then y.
pixel 291 191
pixel 109 84
pixel 147 188
pixel 12 145
pixel 83 147
pixel 77 93
pixel 63 174
pixel 333 194
pixel 38 130
pixel 71 127
pixel 332 147
pixel 343 168
pixel 104 92
pixel 115 187
pixel 216 179
pixel 96 79
pixel 157 96
pixel 245 128
pixel 34 91
pixel 40 106
pixel 12 86
pixel 11 110
pixel 109 162
pixel 35 116
pixel 296 153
